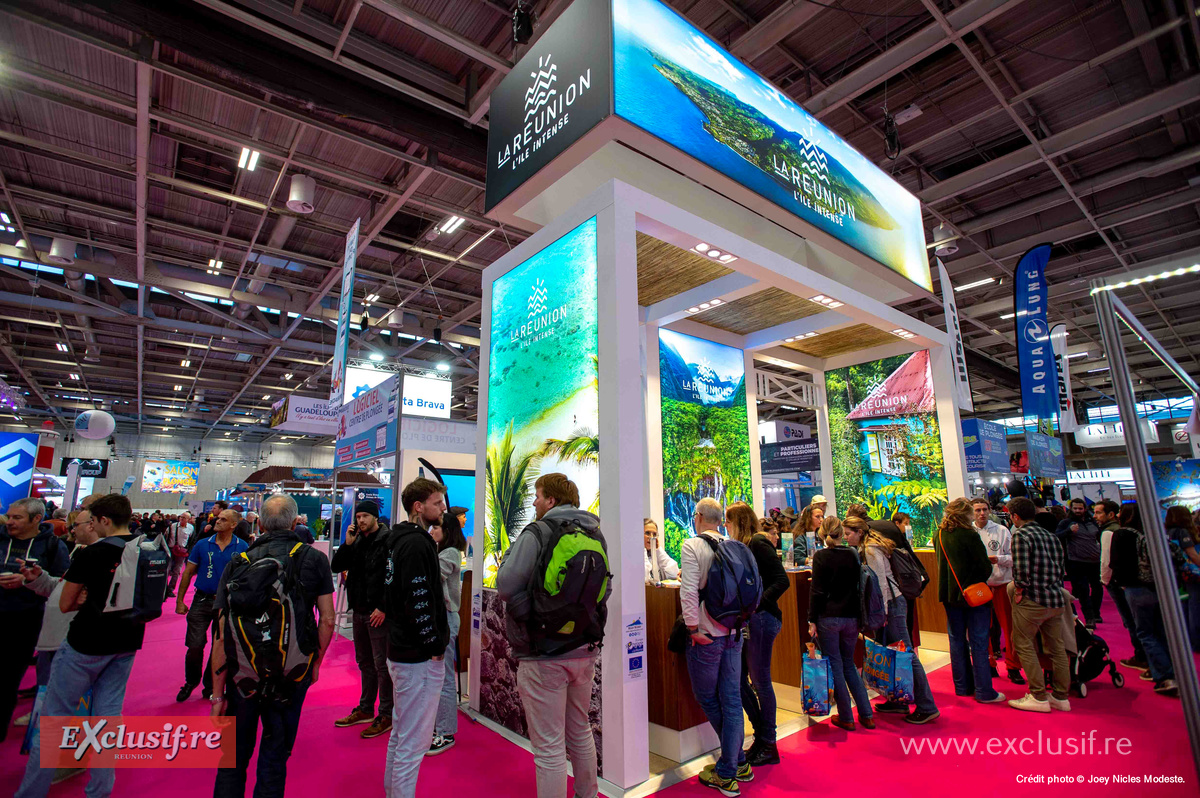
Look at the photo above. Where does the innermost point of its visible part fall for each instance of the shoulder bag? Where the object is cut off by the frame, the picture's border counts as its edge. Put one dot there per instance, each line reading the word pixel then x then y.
pixel 977 594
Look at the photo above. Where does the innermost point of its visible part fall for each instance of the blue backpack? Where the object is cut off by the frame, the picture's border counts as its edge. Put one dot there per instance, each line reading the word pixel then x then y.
pixel 734 586
pixel 873 612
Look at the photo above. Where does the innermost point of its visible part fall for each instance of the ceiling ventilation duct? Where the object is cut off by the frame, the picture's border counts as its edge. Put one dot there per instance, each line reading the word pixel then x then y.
pixel 62 252
pixel 301 193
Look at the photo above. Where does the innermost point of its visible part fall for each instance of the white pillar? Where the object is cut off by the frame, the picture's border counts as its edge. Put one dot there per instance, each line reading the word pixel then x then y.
pixel 623 478
pixel 941 367
pixel 653 426
pixel 756 484
pixel 825 445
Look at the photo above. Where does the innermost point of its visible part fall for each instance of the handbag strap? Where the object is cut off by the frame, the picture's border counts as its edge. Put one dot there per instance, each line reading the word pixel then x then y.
pixel 949 564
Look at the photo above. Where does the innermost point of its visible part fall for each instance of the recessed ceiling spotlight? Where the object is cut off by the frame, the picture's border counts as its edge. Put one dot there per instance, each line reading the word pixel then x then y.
pixel 715 302
pixel 702 248
pixel 714 253
pixel 705 306
pixel 826 301
pixel 902 333
pixel 693 310
pixel 727 258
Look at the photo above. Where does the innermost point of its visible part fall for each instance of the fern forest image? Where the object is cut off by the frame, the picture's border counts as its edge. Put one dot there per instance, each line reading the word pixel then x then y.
pixel 705 434
pixel 886 442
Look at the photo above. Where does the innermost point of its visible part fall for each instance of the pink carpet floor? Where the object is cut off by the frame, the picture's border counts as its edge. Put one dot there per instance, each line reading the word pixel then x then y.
pixel 822 759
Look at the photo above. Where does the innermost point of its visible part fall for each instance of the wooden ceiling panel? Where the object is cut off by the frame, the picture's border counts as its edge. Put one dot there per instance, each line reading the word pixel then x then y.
pixel 665 270
pixel 758 311
pixel 843 341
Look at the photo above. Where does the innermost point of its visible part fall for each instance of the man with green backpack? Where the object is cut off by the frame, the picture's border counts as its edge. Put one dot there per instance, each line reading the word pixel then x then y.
pixel 555 581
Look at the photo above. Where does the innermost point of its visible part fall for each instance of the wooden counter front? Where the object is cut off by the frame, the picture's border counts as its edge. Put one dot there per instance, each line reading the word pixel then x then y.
pixel 785 656
pixel 668 687
pixel 931 615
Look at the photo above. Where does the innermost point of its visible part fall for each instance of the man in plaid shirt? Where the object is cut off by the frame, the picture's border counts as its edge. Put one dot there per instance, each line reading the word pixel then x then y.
pixel 1038 605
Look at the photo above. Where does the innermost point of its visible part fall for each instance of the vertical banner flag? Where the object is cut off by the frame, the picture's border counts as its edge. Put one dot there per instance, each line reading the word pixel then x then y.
pixel 1039 380
pixel 18 451
pixel 341 345
pixel 1066 401
pixel 962 382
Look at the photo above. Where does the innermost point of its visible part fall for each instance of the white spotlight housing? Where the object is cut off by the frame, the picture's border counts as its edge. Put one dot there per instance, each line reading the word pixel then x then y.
pixel 301 193
pixel 62 252
pixel 944 238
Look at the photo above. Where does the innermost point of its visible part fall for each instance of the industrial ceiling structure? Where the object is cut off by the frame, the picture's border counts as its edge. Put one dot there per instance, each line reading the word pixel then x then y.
pixel 179 179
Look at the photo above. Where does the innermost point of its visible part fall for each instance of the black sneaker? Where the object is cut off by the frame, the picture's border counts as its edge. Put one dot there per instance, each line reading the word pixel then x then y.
pixel 1014 676
pixel 27 692
pixel 185 692
pixel 766 754
pixel 441 743
pixel 995 673
pixel 1134 662
pixel 1146 677
pixel 892 707
pixel 919 718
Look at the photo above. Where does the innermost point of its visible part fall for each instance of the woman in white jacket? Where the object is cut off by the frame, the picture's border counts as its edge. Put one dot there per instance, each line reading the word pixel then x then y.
pixel 659 565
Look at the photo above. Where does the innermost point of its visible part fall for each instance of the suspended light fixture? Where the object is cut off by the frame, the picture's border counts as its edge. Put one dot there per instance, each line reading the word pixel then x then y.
pixel 301 193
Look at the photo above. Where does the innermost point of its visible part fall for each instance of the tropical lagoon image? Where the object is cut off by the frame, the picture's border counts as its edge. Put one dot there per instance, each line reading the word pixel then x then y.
pixel 705 430
pixel 676 83
pixel 543 392
pixel 885 440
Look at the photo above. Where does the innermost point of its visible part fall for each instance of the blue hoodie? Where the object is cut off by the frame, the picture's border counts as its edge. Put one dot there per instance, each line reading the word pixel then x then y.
pixel 49 552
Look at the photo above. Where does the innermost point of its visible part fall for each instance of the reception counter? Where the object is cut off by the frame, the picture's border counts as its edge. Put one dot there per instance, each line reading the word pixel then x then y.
pixel 931 615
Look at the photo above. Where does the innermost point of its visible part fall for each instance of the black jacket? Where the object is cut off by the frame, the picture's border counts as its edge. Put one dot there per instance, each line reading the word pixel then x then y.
pixel 774 578
pixel 44 548
pixel 365 562
pixel 419 628
pixel 892 531
pixel 833 592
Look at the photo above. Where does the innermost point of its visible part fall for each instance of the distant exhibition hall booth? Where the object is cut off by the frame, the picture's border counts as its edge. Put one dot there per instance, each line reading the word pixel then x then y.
pixel 704 245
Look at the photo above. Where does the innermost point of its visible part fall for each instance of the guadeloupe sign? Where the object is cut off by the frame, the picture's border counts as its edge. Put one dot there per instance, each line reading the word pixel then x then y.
pixel 657 71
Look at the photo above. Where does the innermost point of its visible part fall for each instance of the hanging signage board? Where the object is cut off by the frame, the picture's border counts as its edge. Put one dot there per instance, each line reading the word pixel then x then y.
pixel 341 344
pixel 303 414
pixel 1039 379
pixel 1096 436
pixel 426 396
pixel 790 456
pixel 986 445
pixel 962 380
pixel 367 425
pixel 1066 400
pixel 559 90
pixel 170 476
pixel 87 467
pixel 18 450
pixel 641 61
pixel 1045 456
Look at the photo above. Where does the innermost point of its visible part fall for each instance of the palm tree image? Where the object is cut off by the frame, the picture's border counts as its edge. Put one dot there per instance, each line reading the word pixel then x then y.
pixel 582 448
pixel 508 481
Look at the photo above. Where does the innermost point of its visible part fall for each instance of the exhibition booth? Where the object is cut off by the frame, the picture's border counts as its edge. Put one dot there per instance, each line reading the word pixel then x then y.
pixel 704 243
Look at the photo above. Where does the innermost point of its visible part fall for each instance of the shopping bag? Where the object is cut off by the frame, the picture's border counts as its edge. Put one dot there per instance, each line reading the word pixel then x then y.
pixel 817 686
pixel 879 667
pixel 84 709
pixel 902 683
pixel 889 671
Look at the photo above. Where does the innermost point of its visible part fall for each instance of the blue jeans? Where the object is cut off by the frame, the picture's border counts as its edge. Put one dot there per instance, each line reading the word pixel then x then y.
pixel 1147 616
pixel 759 700
pixel 969 626
pixel 716 674
pixel 838 637
pixel 447 713
pixel 71 675
pixel 1118 596
pixel 44 660
pixel 896 631
pixel 279 726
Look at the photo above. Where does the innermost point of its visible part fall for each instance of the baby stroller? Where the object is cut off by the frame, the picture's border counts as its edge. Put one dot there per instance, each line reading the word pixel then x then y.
pixel 1090 660
pixel 1087 652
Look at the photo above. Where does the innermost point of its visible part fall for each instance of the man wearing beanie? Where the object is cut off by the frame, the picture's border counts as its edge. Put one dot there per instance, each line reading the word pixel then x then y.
pixel 364 558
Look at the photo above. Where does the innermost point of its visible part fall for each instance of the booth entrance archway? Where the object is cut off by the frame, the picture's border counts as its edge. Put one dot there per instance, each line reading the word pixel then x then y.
pixel 669 266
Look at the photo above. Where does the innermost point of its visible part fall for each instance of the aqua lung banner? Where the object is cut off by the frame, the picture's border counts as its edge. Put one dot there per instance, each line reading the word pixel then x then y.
pixel 558 91
pixel 1039 377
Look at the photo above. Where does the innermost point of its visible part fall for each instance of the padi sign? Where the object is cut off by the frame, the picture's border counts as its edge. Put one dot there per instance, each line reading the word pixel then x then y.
pixel 552 96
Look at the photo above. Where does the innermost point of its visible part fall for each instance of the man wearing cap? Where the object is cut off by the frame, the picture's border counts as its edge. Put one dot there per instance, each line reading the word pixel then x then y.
pixel 819 502
pixel 364 558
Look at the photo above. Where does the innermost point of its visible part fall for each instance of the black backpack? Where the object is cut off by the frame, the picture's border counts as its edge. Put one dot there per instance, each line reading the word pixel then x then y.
pixel 908 572
pixel 270 632
pixel 571 587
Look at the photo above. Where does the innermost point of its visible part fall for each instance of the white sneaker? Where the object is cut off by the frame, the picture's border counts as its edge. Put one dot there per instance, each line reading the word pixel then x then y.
pixel 1061 704
pixel 1030 704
